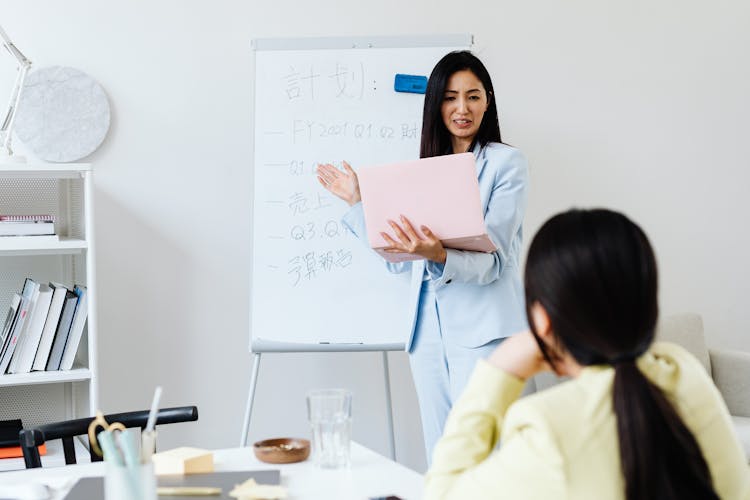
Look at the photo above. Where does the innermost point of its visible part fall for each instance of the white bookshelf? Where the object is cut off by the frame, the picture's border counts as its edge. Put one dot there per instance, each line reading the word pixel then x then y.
pixel 65 191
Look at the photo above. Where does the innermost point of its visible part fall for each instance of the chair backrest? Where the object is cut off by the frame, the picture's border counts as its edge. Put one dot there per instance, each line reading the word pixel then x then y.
pixel 684 329
pixel 69 429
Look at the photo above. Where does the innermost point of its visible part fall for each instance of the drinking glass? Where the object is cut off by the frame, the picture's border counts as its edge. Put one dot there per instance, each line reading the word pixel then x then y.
pixel 329 412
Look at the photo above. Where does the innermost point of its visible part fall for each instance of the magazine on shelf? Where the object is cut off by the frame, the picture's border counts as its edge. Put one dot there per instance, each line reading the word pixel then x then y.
pixel 30 241
pixel 17 330
pixel 23 359
pixel 27 218
pixel 34 289
pixel 59 292
pixel 61 333
pixel 76 329
pixel 27 228
pixel 9 445
pixel 10 319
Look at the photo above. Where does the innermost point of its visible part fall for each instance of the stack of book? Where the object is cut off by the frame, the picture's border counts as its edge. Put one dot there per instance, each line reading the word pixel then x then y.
pixel 43 328
pixel 9 445
pixel 28 225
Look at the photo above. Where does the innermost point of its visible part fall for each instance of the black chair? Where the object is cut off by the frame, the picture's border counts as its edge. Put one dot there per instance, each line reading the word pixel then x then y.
pixel 68 430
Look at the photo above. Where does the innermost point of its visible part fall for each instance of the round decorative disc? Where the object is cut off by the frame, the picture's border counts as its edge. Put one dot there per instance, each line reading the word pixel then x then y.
pixel 63 115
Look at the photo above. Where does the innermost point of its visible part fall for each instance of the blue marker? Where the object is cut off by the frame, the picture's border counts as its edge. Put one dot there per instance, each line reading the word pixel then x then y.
pixel 410 83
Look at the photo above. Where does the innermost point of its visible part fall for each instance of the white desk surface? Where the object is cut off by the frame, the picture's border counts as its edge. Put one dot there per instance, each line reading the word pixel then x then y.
pixel 370 475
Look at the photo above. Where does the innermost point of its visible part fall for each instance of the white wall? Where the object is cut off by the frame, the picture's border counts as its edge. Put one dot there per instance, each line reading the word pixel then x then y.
pixel 641 106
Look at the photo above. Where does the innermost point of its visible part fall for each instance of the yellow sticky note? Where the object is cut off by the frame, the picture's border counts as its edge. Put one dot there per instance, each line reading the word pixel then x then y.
pixel 250 490
pixel 183 460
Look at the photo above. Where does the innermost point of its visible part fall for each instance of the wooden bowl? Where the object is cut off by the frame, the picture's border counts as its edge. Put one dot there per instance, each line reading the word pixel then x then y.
pixel 282 450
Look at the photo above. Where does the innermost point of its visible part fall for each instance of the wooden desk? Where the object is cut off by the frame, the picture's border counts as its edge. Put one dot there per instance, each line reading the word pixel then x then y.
pixel 370 475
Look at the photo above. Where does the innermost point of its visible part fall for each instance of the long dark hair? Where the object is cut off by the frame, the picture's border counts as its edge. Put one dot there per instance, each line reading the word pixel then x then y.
pixel 436 139
pixel 594 273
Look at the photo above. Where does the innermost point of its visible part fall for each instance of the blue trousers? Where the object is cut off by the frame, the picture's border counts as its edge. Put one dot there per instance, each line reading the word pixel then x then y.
pixel 441 368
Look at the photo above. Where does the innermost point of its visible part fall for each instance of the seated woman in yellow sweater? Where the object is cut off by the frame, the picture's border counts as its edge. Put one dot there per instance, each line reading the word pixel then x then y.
pixel 638 420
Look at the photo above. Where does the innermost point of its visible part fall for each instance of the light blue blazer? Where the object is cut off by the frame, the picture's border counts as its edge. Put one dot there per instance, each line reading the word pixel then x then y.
pixel 480 296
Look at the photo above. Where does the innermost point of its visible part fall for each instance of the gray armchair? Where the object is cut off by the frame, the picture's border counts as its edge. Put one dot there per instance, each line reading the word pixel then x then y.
pixel 730 370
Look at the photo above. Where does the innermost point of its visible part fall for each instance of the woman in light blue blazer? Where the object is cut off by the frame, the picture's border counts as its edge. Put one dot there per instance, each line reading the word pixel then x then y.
pixel 464 302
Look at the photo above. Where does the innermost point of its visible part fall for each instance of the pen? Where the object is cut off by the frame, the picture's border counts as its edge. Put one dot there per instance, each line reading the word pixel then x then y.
pixel 128 445
pixel 187 491
pixel 151 422
pixel 111 452
pixel 148 438
pixel 148 445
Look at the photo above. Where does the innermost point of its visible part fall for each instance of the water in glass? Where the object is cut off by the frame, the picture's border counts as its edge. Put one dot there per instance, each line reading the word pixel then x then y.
pixel 330 416
pixel 331 438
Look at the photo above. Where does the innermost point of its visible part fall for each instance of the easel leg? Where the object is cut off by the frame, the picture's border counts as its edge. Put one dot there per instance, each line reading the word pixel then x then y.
pixel 250 399
pixel 389 406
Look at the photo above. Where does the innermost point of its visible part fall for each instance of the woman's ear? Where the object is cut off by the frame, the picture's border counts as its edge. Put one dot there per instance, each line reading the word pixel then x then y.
pixel 542 324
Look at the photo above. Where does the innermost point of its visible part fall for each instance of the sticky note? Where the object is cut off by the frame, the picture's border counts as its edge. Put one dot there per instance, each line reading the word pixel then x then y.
pixel 183 460
pixel 250 490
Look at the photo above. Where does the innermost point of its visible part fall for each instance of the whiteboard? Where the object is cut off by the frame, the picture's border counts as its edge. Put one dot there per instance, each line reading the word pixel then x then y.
pixel 315 286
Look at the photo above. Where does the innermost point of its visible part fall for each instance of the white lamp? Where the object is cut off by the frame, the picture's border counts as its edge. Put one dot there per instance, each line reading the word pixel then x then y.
pixel 6 129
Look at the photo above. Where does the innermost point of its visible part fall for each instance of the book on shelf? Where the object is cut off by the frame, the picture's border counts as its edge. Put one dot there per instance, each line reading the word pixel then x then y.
pixel 10 319
pixel 27 218
pixel 30 240
pixel 17 451
pixel 24 338
pixel 28 296
pixel 59 292
pixel 9 430
pixel 61 333
pixel 23 359
pixel 76 328
pixel 32 228
pixel 9 444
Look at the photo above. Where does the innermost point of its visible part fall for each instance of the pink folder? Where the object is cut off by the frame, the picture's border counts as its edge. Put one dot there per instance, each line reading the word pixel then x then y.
pixel 441 193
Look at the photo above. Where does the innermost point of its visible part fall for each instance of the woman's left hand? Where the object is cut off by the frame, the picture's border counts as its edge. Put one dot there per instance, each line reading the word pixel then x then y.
pixel 409 241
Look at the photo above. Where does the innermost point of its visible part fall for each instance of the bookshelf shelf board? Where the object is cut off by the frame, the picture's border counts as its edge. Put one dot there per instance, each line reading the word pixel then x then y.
pixel 31 245
pixel 52 377
pixel 43 170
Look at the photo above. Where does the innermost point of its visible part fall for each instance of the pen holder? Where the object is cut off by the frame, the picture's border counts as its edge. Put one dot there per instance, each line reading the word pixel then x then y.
pixel 123 482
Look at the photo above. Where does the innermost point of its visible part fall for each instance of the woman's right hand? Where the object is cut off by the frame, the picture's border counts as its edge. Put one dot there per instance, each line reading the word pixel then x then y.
pixel 519 355
pixel 345 184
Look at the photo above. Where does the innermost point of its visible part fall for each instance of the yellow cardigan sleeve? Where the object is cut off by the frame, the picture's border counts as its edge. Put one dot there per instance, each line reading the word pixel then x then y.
pixel 464 464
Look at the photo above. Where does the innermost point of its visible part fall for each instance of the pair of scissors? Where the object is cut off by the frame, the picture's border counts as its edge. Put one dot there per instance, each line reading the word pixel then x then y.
pixel 99 421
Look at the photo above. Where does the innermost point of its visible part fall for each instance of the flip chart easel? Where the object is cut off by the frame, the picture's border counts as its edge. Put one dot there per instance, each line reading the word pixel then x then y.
pixel 321 100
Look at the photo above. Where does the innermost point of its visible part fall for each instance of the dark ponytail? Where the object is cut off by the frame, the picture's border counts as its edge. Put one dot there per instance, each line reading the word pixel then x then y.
pixel 594 272
pixel 660 457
